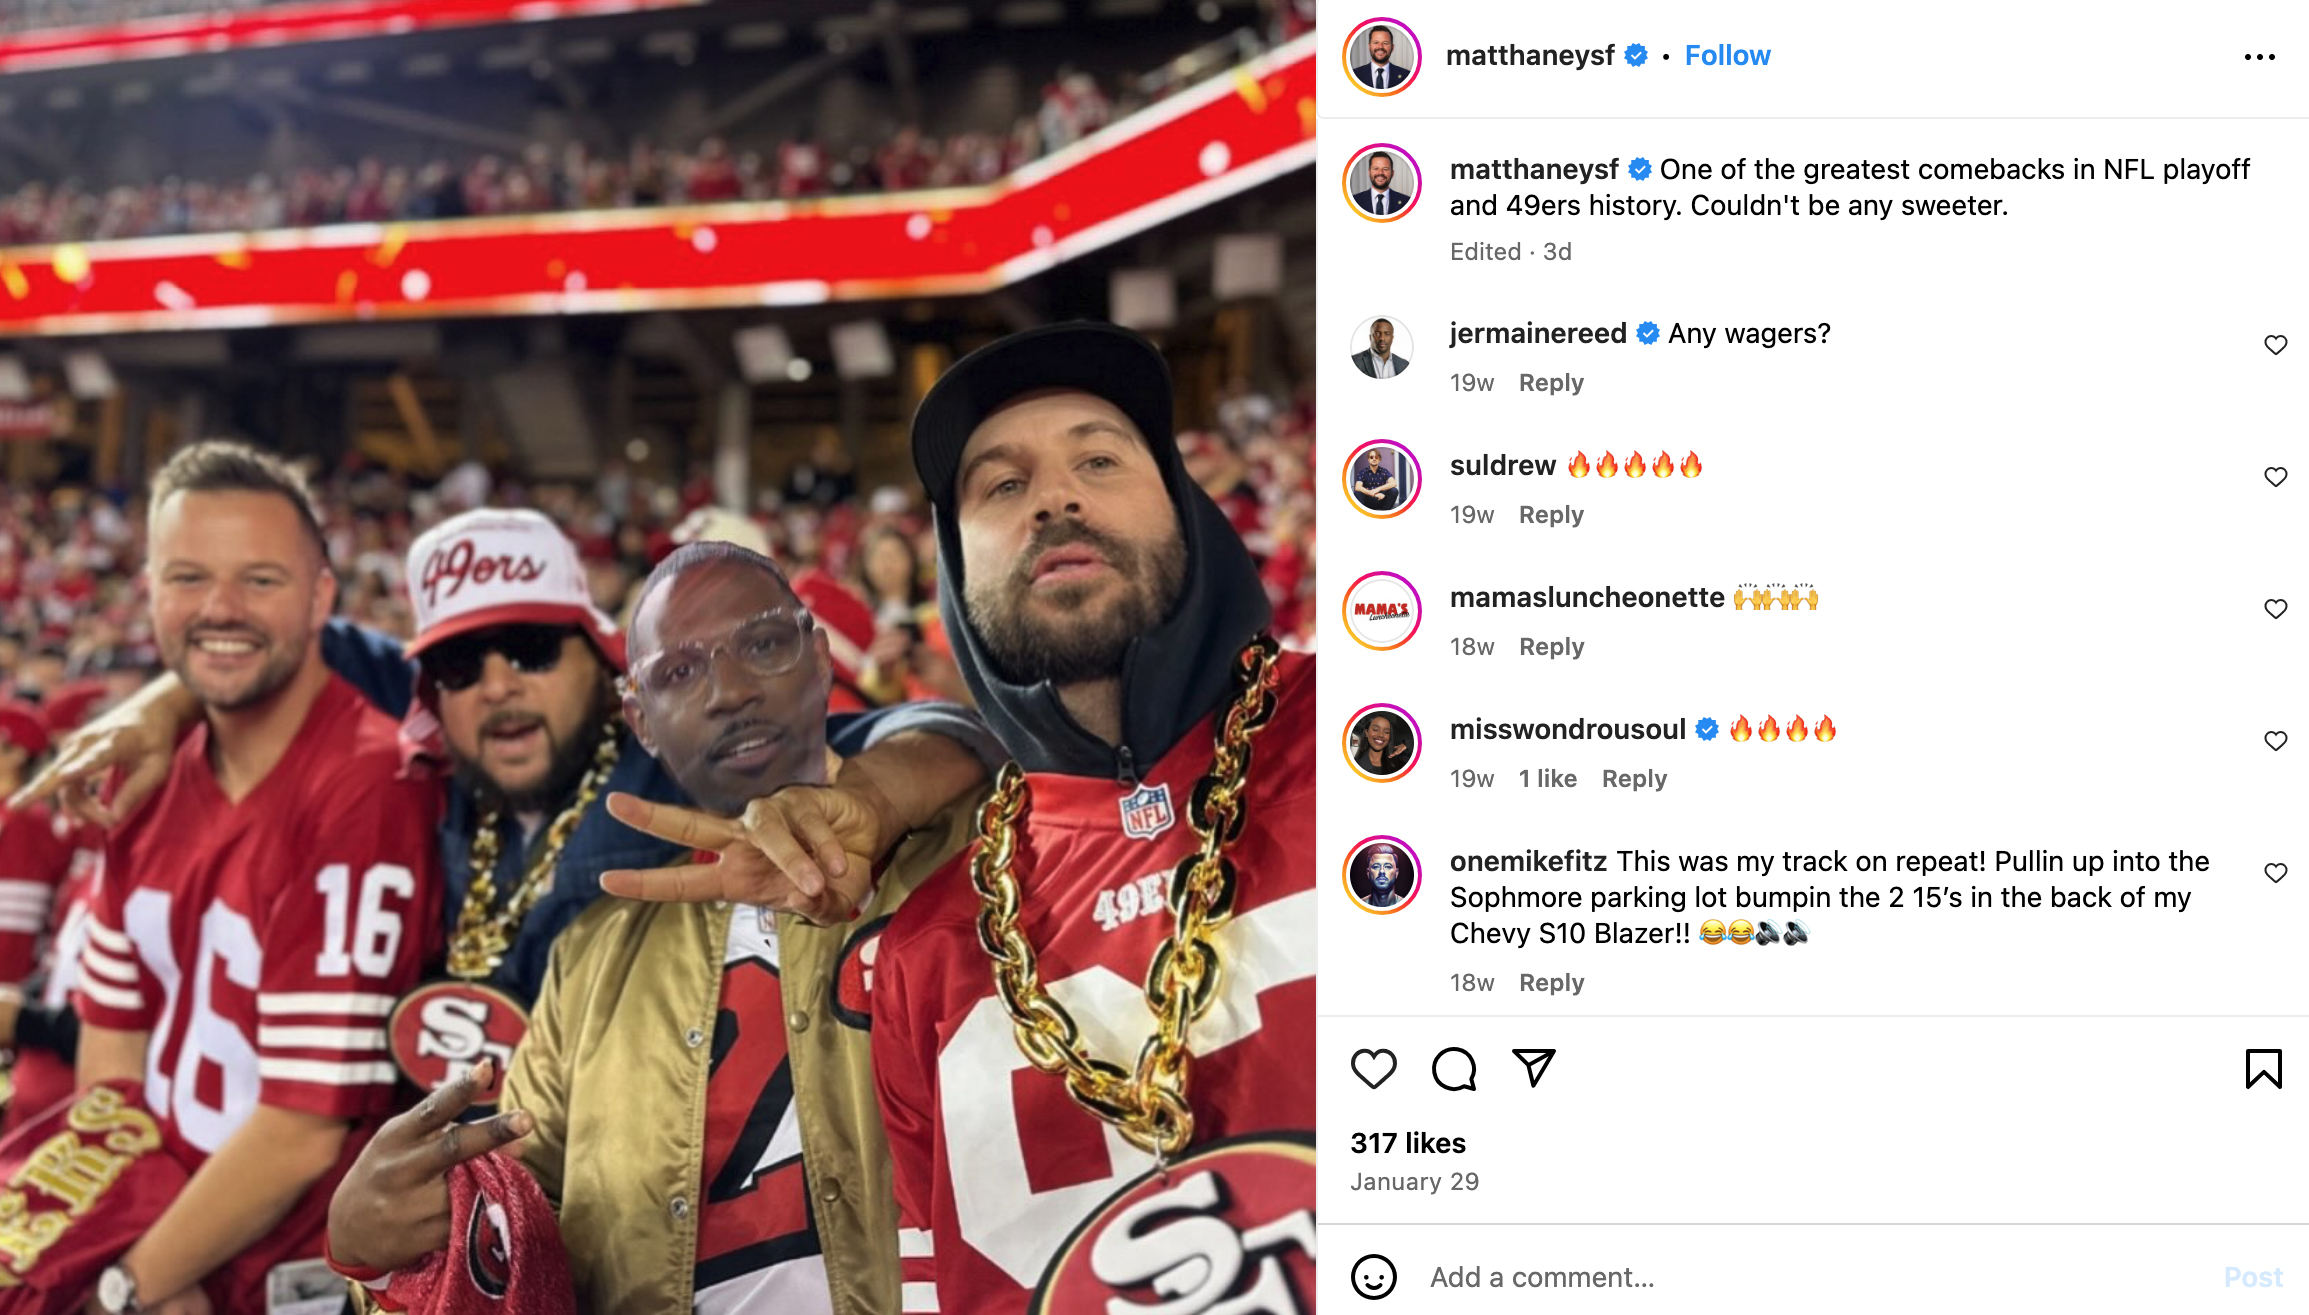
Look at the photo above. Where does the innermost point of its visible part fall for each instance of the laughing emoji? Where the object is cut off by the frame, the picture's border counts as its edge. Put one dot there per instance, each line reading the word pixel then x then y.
pixel 1712 932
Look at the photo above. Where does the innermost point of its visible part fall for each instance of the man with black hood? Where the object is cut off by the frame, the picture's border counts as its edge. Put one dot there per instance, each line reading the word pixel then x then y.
pixel 1145 869
pixel 1136 917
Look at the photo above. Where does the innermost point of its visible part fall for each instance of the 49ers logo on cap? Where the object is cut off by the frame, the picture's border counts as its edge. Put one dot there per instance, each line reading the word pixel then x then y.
pixel 489 1249
pixel 1230 1231
pixel 461 561
pixel 442 1029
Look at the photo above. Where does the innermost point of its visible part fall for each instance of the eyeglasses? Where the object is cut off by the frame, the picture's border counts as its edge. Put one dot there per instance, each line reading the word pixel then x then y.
pixel 454 665
pixel 769 644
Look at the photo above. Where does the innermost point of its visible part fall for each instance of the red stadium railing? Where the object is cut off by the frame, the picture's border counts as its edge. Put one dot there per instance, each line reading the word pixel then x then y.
pixel 283 24
pixel 1204 144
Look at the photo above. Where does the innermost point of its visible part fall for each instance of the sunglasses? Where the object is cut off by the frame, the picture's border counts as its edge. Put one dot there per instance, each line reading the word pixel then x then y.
pixel 454 665
pixel 769 644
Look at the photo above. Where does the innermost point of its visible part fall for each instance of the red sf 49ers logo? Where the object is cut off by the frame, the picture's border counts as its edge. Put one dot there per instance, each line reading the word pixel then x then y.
pixel 1231 1231
pixel 489 1248
pixel 442 1029
pixel 460 562
pixel 853 1001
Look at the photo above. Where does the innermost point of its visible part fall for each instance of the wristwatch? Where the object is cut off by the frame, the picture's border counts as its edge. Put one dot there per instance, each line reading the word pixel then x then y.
pixel 116 1292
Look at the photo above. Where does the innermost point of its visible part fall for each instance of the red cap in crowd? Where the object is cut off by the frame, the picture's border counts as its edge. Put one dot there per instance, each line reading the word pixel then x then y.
pixel 22 725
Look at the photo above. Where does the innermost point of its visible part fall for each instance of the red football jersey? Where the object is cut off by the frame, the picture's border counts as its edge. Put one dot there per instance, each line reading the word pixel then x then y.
pixel 47 866
pixel 1011 1196
pixel 263 943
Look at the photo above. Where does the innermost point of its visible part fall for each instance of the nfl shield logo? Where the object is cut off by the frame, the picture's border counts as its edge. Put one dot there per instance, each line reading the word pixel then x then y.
pixel 1146 812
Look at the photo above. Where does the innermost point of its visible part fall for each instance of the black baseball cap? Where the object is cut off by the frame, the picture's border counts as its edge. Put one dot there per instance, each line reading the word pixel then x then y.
pixel 1098 358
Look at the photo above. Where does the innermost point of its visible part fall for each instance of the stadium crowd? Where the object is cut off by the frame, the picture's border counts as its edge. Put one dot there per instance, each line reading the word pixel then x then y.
pixel 72 606
pixel 40 15
pixel 543 178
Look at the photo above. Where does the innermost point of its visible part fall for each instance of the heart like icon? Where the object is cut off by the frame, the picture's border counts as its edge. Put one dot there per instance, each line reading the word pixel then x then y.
pixel 2275 607
pixel 2275 342
pixel 1374 1067
pixel 2276 739
pixel 2276 871
pixel 2275 475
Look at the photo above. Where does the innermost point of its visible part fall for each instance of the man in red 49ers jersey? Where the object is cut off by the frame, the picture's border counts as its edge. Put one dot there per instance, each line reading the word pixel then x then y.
pixel 259 916
pixel 1109 622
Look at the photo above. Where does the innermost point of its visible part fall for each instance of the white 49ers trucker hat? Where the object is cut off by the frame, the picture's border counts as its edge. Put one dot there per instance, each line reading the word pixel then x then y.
pixel 499 568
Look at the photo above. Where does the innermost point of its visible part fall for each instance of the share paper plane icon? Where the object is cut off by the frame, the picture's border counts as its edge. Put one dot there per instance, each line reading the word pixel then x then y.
pixel 1535 1062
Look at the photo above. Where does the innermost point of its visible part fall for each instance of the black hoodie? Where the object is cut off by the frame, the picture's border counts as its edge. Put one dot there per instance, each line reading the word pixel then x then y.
pixel 1174 675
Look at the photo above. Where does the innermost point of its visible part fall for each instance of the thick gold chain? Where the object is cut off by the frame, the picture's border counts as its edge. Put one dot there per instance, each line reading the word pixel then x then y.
pixel 485 931
pixel 1149 1105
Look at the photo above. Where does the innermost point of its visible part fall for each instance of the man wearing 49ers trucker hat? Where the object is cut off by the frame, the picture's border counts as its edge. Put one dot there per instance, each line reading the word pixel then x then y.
pixel 515 687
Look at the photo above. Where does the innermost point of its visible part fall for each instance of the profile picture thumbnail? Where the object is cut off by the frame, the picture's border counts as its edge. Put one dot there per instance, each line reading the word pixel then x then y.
pixel 1381 610
pixel 1382 875
pixel 1382 182
pixel 1382 56
pixel 1382 479
pixel 1382 742
pixel 1382 347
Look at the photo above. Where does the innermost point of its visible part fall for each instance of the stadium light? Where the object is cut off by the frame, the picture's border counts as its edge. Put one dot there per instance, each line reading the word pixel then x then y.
pixel 1143 299
pixel 765 353
pixel 862 350
pixel 89 378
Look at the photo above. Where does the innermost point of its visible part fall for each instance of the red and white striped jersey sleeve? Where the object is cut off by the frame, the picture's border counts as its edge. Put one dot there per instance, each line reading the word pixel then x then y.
pixel 34 861
pixel 113 991
pixel 324 1051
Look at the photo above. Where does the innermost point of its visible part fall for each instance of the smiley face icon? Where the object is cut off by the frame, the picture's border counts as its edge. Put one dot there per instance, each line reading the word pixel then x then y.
pixel 1742 932
pixel 1712 932
pixel 1372 1277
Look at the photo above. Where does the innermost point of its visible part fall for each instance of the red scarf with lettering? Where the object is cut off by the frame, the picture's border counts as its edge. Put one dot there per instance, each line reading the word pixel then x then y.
pixel 84 1179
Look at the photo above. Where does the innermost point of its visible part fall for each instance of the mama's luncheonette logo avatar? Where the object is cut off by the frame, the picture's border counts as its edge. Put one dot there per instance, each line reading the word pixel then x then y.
pixel 1381 610
pixel 1227 1229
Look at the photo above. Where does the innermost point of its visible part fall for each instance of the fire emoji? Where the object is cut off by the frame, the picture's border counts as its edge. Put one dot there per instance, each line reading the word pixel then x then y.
pixel 1691 464
pixel 1769 731
pixel 1740 731
pixel 1635 464
pixel 1607 467
pixel 1796 730
pixel 1825 731
pixel 1665 466
pixel 1578 466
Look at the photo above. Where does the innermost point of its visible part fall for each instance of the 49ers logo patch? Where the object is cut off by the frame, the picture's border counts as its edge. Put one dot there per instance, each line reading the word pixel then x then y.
pixel 489 1249
pixel 854 975
pixel 1231 1231
pixel 442 1029
pixel 1146 812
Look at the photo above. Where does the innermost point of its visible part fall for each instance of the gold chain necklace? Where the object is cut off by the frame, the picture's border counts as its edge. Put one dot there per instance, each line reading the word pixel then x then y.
pixel 1149 1106
pixel 484 931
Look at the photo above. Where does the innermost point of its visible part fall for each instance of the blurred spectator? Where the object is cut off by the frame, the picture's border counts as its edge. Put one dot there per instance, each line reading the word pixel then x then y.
pixel 826 477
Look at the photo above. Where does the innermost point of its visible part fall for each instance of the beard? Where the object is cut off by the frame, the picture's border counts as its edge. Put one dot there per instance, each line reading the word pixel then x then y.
pixel 1076 646
pixel 572 758
pixel 279 667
